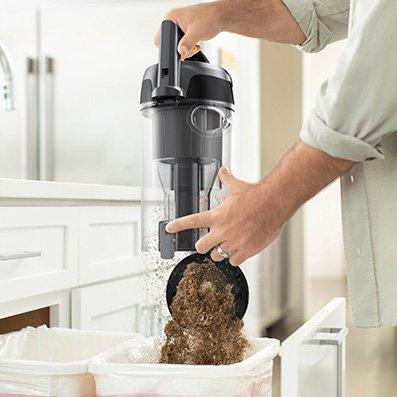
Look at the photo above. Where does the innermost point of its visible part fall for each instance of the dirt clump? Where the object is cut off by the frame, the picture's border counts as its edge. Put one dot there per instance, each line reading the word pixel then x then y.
pixel 204 329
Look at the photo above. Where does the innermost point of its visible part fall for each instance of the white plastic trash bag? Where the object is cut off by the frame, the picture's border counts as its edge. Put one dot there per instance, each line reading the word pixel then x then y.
pixel 52 361
pixel 131 370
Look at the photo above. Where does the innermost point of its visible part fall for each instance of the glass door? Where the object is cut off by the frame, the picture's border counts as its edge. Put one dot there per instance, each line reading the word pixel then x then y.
pixel 313 357
pixel 18 70
pixel 77 72
pixel 95 57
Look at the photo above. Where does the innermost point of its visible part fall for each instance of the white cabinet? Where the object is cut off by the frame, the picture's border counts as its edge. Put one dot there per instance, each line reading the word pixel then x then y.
pixel 38 251
pixel 117 306
pixel 313 358
pixel 45 249
pixel 111 306
pixel 58 302
pixel 109 242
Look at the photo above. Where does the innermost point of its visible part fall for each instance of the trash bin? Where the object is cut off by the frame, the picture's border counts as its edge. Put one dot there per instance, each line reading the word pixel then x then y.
pixel 52 361
pixel 131 371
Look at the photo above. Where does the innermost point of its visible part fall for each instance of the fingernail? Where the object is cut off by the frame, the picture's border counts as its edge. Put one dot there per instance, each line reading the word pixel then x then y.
pixel 183 50
pixel 225 169
pixel 168 228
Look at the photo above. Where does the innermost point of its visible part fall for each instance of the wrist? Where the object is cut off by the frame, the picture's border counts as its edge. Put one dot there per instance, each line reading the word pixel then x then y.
pixel 274 195
pixel 266 19
pixel 223 9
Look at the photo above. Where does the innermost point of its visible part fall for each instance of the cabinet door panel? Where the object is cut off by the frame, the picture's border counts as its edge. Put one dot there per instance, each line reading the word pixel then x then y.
pixel 112 306
pixel 38 250
pixel 99 54
pixel 313 358
pixel 109 243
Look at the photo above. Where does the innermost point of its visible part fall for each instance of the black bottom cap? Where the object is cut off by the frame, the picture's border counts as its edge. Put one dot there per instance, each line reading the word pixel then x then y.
pixel 234 276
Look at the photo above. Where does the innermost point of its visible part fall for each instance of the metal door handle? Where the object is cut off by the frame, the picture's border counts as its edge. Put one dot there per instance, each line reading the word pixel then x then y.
pixel 31 144
pixel 332 337
pixel 328 336
pixel 19 255
pixel 47 120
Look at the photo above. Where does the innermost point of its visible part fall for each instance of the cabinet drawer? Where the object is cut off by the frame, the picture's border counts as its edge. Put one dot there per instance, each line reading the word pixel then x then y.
pixel 123 305
pixel 112 306
pixel 38 251
pixel 109 243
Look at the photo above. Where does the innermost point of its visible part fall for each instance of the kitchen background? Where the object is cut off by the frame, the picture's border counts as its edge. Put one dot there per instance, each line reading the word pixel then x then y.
pixel 69 177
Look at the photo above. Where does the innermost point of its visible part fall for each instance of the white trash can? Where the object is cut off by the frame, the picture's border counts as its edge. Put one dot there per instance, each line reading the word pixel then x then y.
pixel 52 361
pixel 131 371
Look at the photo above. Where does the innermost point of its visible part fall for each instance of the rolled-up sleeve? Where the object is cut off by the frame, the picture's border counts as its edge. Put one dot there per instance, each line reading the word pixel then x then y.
pixel 322 21
pixel 357 106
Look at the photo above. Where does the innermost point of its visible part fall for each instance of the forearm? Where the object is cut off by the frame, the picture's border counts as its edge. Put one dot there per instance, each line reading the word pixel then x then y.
pixel 300 175
pixel 253 215
pixel 267 19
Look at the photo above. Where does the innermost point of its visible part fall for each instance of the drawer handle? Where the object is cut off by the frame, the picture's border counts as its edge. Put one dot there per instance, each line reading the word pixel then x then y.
pixel 19 255
pixel 334 337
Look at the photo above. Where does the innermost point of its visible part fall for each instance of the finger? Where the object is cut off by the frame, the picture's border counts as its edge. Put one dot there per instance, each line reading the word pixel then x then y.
pixel 217 257
pixel 156 38
pixel 226 177
pixel 206 243
pixel 188 43
pixel 237 259
pixel 194 51
pixel 194 221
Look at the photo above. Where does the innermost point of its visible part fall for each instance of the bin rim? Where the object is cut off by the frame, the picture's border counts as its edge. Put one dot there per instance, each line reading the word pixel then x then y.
pixel 49 368
pixel 43 368
pixel 267 353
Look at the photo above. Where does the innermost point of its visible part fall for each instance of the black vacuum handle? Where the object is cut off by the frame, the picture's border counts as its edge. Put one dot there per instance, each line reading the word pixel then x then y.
pixel 199 56
pixel 168 75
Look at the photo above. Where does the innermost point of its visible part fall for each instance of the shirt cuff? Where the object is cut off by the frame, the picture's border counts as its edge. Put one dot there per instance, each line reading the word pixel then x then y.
pixel 317 134
pixel 317 34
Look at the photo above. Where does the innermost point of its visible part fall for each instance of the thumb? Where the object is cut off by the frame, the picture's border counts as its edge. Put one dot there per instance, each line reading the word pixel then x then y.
pixel 156 38
pixel 188 44
pixel 226 177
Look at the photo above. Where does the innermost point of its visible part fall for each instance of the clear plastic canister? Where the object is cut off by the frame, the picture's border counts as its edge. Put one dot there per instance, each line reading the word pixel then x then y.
pixel 183 147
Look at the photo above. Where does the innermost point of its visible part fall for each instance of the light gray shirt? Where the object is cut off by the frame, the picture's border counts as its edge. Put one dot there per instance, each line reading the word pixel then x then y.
pixel 355 117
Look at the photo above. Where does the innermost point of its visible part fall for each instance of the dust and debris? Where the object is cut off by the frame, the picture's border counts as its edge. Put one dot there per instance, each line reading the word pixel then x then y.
pixel 205 329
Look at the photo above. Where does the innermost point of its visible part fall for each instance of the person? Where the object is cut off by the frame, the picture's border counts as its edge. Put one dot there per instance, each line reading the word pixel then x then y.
pixel 348 134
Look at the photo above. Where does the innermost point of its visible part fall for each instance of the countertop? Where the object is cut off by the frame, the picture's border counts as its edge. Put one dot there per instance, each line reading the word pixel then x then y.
pixel 27 189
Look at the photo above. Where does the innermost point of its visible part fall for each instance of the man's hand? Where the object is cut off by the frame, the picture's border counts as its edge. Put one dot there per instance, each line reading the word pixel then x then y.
pixel 267 19
pixel 253 215
pixel 244 224
pixel 200 22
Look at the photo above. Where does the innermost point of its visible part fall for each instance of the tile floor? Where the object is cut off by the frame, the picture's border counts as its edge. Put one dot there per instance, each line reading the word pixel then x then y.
pixel 371 354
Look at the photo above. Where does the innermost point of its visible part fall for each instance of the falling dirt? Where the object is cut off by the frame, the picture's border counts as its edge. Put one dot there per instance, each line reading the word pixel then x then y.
pixel 205 329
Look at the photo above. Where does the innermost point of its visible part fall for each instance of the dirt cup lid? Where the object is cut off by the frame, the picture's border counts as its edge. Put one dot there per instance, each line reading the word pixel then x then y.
pixel 233 275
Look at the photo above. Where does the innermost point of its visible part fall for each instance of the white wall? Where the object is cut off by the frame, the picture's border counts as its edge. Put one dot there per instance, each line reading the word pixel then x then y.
pixel 324 257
